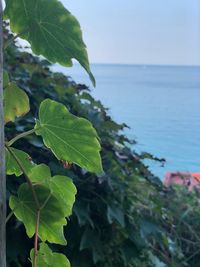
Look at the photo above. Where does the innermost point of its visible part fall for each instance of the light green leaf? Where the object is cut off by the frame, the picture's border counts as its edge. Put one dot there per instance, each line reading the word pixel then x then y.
pixel 51 30
pixel 52 218
pixel 11 165
pixel 40 174
pixel 70 138
pixel 61 187
pixel 16 102
pixel 47 258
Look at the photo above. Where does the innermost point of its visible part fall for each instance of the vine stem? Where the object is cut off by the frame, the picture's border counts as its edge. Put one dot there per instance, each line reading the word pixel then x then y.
pixel 36 202
pixel 25 175
pixel 36 239
pixel 19 136
pixel 39 207
pixel 37 231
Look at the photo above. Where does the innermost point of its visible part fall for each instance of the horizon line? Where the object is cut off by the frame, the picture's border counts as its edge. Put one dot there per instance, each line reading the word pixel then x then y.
pixel 145 64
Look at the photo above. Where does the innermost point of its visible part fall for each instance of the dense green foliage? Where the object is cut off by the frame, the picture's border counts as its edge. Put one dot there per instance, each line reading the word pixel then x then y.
pixel 123 217
pixel 43 203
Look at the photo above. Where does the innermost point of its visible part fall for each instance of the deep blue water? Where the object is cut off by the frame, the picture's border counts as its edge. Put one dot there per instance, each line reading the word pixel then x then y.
pixel 159 103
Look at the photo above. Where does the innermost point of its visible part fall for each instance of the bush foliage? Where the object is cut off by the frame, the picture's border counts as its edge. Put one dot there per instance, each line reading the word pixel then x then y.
pixel 124 217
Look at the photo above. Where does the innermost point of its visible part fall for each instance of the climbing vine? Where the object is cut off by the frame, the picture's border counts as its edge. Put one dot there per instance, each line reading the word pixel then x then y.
pixel 44 202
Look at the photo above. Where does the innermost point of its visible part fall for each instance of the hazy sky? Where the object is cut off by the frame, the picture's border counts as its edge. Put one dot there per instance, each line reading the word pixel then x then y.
pixel 140 31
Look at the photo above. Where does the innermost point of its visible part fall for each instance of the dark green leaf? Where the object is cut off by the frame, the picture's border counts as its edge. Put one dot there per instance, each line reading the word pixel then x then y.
pixel 115 213
pixel 90 240
pixel 82 212
pixel 6 79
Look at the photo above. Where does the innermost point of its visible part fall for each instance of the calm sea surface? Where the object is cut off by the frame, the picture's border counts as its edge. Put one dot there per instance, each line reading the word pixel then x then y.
pixel 161 104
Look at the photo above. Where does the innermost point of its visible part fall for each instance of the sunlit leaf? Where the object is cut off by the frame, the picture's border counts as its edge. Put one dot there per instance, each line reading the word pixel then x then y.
pixel 61 187
pixel 52 218
pixel 16 102
pixel 70 138
pixel 51 30
pixel 47 258
pixel 12 167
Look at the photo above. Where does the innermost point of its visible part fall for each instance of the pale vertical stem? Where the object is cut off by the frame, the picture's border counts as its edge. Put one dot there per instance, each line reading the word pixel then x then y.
pixel 36 239
pixel 2 156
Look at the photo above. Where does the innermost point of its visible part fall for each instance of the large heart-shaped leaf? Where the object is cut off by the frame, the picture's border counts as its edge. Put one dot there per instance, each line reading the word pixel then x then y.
pixel 61 187
pixel 70 138
pixel 47 258
pixel 51 30
pixel 16 102
pixel 52 217
pixel 12 166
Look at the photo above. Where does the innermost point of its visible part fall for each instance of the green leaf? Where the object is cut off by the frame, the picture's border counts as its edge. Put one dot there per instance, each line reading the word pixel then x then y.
pixel 90 240
pixel 11 165
pixel 61 187
pixel 70 138
pixel 6 79
pixel 52 218
pixel 51 30
pixel 114 212
pixel 47 258
pixel 16 102
pixel 82 211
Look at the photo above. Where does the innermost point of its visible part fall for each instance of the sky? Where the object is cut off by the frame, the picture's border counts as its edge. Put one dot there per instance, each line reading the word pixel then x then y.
pixel 140 31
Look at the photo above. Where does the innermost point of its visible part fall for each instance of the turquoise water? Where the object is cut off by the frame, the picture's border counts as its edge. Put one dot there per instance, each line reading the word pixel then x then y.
pixel 159 103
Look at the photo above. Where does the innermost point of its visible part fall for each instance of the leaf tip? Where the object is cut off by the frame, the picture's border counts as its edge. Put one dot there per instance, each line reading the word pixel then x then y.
pixel 92 79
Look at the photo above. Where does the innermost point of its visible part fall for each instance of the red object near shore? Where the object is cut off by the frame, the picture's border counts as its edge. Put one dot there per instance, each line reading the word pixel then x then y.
pixel 187 179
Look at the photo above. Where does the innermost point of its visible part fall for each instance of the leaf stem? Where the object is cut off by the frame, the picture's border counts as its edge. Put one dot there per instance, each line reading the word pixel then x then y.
pixel 37 230
pixel 36 239
pixel 25 175
pixel 19 136
pixel 10 215
pixel 9 41
pixel 45 202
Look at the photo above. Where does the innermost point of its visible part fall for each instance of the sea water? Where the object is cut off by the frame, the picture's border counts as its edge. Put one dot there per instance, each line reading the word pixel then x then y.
pixel 161 104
